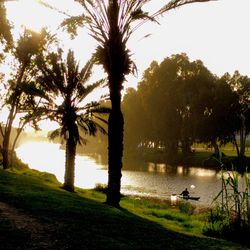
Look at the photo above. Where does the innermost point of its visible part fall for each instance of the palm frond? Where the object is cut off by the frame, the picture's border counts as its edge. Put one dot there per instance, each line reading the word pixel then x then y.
pixel 83 91
pixel 139 14
pixel 33 89
pixel 87 125
pixel 51 77
pixel 54 134
pixel 101 119
pixel 82 140
pixel 71 72
pixel 175 4
pixel 101 129
pixel 71 24
pixel 86 71
pixel 47 5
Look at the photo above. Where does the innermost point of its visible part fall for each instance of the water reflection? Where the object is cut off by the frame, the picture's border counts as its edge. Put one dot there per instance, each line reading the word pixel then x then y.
pixel 138 178
pixel 181 170
pixel 157 167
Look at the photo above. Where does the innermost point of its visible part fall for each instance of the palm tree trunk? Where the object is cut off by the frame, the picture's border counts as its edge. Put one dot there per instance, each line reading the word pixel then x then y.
pixel 116 68
pixel 69 175
pixel 115 151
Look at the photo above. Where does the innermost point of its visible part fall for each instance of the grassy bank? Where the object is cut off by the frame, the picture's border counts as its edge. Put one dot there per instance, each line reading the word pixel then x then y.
pixel 80 220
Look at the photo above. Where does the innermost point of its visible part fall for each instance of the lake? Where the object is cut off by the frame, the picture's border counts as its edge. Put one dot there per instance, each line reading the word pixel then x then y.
pixel 142 179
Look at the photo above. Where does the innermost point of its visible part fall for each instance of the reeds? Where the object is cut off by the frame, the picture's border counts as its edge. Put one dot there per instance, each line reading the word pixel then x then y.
pixel 230 217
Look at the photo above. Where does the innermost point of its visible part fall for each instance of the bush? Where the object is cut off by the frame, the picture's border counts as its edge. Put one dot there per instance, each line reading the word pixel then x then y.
pixel 186 208
pixel 103 188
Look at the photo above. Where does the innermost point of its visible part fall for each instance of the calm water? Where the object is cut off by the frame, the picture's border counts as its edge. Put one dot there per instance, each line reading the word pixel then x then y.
pixel 147 179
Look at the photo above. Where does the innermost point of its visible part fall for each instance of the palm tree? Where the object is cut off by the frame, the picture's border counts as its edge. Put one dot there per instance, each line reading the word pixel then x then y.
pixel 62 80
pixel 111 23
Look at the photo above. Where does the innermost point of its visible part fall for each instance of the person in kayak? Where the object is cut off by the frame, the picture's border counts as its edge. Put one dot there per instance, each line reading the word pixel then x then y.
pixel 185 193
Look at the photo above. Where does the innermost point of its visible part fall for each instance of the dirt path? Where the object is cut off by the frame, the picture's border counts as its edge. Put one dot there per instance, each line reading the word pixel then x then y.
pixel 40 233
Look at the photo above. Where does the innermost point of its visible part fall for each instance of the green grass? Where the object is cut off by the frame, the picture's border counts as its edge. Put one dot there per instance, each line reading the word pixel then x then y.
pixel 80 220
pixel 227 149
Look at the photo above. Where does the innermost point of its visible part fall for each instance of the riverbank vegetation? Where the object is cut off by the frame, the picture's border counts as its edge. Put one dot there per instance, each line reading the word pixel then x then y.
pixel 81 220
pixel 230 218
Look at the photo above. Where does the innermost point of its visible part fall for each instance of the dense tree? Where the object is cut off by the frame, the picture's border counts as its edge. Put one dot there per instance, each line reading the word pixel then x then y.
pixel 241 86
pixel 180 91
pixel 179 102
pixel 220 120
pixel 133 118
pixel 65 81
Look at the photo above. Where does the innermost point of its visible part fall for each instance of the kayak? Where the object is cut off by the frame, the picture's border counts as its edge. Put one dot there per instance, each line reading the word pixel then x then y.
pixel 189 197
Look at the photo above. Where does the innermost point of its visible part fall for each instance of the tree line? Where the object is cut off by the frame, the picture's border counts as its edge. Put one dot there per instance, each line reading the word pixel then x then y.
pixel 180 102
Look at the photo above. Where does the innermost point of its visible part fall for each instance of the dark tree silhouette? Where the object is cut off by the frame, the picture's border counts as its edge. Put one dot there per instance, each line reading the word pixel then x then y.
pixel 179 101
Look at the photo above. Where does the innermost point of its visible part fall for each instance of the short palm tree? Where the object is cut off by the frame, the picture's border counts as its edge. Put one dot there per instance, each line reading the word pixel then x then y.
pixel 66 89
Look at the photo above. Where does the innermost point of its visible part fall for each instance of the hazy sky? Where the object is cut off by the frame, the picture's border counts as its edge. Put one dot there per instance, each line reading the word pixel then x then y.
pixel 216 33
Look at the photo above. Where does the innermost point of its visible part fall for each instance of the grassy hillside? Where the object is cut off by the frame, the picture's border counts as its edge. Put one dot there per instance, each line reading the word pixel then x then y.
pixel 41 215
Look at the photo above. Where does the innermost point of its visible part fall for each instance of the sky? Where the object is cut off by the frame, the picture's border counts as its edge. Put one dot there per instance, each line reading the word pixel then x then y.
pixel 216 32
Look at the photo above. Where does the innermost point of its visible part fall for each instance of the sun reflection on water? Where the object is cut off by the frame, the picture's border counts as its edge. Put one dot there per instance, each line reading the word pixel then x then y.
pixel 48 157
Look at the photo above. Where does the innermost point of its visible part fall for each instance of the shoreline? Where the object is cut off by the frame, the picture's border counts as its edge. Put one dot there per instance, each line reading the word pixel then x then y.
pixel 197 207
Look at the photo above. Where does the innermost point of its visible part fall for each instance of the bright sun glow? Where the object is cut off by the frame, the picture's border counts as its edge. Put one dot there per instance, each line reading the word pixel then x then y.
pixel 30 14
pixel 48 157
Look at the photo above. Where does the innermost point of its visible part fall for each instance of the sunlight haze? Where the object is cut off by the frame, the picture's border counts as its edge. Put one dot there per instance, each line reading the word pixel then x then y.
pixel 215 32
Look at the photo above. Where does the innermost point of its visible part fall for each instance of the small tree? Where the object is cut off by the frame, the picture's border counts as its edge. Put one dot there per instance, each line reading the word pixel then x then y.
pixel 29 45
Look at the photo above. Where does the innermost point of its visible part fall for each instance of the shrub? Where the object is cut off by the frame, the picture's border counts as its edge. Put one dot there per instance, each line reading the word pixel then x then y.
pixel 186 208
pixel 103 188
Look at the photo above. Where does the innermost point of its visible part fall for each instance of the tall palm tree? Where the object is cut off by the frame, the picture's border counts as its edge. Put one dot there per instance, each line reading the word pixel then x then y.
pixel 66 88
pixel 111 23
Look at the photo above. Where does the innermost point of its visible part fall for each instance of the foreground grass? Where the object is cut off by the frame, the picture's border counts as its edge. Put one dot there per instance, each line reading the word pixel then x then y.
pixel 80 220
